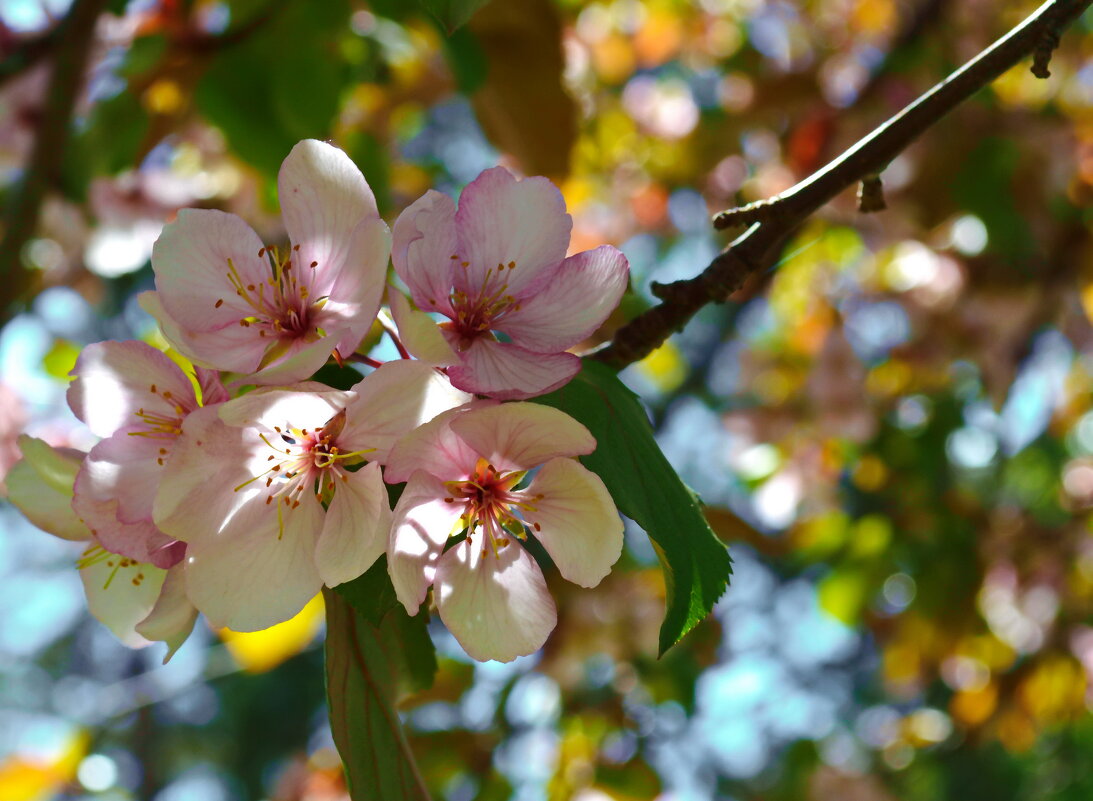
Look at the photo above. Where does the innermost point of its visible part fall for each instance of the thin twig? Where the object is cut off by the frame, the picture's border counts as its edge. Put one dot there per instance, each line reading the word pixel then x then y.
pixel 71 51
pixel 773 220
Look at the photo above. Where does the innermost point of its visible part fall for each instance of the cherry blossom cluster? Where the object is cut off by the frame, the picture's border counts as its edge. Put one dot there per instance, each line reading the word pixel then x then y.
pixel 229 482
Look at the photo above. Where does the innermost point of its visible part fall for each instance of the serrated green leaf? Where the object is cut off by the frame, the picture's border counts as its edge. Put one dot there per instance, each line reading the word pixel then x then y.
pixel 375 654
pixel 646 489
pixel 452 14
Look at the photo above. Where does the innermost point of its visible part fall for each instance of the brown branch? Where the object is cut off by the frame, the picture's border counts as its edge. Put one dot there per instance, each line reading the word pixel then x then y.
pixel 72 48
pixel 28 53
pixel 773 220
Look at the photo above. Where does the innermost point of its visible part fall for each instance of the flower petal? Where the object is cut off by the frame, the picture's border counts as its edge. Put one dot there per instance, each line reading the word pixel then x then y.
pixel 393 401
pixel 116 380
pixel 424 244
pixel 121 593
pixel 520 436
pixel 126 468
pixel 232 347
pixel 40 485
pixel 356 528
pixel 141 541
pixel 421 525
pixel 502 220
pixel 434 448
pixel 509 372
pixel 497 607
pixel 323 199
pixel 193 275
pixel 575 520
pixel 172 618
pixel 569 307
pixel 254 573
pixel 304 405
pixel 355 285
pixel 297 361
pixel 419 332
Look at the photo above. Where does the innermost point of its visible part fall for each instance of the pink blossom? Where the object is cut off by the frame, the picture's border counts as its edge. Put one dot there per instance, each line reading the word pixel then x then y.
pixel 279 491
pixel 136 397
pixel 139 602
pixel 465 472
pixel 227 301
pixel 498 264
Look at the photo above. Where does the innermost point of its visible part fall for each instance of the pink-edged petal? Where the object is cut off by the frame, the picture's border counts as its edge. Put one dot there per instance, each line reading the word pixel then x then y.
pixel 509 372
pixel 575 520
pixel 40 485
pixel 193 276
pixel 172 618
pixel 502 220
pixel 419 332
pixel 304 405
pixel 258 571
pixel 498 607
pixel 356 528
pixel 520 436
pixel 569 307
pixel 357 281
pixel 298 360
pixel 323 199
pixel 197 494
pixel 232 347
pixel 115 380
pixel 434 448
pixel 421 525
pixel 393 401
pixel 424 244
pixel 212 389
pixel 121 593
pixel 127 468
pixel 141 541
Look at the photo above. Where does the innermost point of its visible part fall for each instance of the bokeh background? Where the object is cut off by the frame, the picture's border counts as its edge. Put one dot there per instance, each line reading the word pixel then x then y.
pixel 893 428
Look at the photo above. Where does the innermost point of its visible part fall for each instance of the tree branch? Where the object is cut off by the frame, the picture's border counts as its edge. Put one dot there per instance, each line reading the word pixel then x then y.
pixel 27 53
pixel 772 221
pixel 72 48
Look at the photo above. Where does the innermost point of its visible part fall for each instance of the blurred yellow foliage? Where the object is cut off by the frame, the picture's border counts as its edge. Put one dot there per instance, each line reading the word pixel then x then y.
pixel 25 779
pixel 259 651
pixel 665 367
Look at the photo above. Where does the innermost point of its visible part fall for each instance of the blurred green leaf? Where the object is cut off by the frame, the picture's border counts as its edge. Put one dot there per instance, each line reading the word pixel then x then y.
pixel 375 654
pixel 645 487
pixel 452 13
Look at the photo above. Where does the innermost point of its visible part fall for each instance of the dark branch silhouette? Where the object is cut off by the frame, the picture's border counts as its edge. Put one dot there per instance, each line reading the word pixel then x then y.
pixel 771 221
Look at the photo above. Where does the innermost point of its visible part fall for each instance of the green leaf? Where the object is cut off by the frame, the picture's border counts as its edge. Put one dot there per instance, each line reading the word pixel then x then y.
pixel 452 14
pixel 646 489
pixel 375 655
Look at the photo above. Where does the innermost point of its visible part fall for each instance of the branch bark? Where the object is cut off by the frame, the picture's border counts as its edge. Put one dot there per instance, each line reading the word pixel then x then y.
pixel 772 221
pixel 71 50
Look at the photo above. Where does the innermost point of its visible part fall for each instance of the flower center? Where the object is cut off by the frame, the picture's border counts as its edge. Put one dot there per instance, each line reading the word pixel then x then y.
pixel 159 424
pixel 478 311
pixel 304 460
pixel 491 503
pixel 280 305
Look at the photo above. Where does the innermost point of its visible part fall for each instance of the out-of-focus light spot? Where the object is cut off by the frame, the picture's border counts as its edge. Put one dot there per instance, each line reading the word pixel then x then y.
pixel 913 413
pixel 163 97
pixel 775 502
pixel 736 92
pixel 971 448
pixel 1078 481
pixel 1083 432
pixel 757 462
pixel 43 254
pixel 878 726
pixel 840 750
pixel 930 725
pixel 969 235
pixel 259 651
pixel 965 673
pixel 64 311
pixel 841 78
pixel 870 474
pixel 114 251
pixel 729 175
pixel 913 264
pixel 898 756
pixel 362 22
pixel 201 783
pixel 97 773
pixel 974 706
pixel 665 367
pixel 1039 388
pixel 535 700
pixel 875 328
pixel 665 107
pixel 687 211
pixel 899 590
